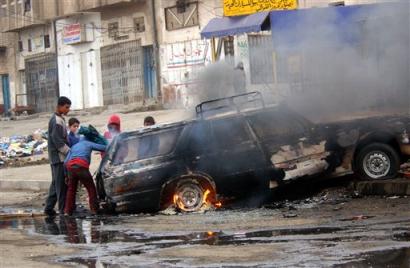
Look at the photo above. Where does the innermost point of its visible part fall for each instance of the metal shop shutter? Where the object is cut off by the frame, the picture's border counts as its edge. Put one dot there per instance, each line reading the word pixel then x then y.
pixel 122 73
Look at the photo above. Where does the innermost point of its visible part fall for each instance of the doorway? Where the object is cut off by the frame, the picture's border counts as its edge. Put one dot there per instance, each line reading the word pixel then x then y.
pixel 6 94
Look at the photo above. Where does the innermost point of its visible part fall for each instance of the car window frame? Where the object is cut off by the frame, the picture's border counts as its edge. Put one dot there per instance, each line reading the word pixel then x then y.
pixel 141 135
pixel 242 120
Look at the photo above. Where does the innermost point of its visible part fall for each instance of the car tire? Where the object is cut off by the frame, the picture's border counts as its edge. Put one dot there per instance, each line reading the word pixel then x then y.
pixel 189 195
pixel 377 161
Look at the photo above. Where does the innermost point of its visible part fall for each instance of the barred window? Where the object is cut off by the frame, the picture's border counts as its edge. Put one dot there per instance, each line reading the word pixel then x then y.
pixel 113 29
pixel 139 25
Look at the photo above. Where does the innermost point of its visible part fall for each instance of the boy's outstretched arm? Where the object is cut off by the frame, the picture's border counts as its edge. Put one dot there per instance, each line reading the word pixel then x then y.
pixel 98 147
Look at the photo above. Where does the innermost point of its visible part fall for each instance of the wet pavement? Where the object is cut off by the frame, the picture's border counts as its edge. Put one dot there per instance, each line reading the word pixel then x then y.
pixel 258 237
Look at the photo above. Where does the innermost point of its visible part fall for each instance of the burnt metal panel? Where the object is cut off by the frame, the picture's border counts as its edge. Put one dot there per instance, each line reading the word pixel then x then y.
pixel 41 82
pixel 122 73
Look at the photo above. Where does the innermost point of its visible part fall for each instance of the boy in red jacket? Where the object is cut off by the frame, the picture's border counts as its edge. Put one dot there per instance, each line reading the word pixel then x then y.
pixel 114 127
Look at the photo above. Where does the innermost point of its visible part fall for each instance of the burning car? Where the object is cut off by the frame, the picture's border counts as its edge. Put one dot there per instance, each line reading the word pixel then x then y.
pixel 239 146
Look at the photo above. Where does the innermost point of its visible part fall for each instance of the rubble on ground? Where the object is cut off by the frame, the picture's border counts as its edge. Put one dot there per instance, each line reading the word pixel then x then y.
pixel 405 169
pixel 22 150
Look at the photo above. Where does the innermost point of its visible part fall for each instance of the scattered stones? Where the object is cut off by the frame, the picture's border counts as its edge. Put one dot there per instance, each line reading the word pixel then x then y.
pixel 289 215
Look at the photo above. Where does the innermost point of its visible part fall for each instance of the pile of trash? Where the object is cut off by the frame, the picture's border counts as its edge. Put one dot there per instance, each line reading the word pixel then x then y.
pixel 18 146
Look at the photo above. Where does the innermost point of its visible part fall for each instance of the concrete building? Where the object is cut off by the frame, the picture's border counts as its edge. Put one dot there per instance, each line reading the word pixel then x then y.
pixel 78 52
pixel 127 53
pixel 262 64
pixel 104 51
pixel 115 52
pixel 183 52
pixel 8 72
pixel 113 62
pixel 34 82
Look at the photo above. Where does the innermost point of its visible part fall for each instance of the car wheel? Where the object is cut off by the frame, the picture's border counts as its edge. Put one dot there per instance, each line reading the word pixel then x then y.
pixel 189 196
pixel 378 161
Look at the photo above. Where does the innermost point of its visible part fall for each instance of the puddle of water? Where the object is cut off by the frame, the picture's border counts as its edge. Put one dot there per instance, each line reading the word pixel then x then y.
pixel 392 258
pixel 125 242
pixel 357 218
pixel 88 231
pixel 402 236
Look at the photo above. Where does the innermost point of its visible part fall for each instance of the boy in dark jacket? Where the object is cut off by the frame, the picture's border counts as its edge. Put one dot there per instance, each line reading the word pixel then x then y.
pixel 57 151
pixel 77 164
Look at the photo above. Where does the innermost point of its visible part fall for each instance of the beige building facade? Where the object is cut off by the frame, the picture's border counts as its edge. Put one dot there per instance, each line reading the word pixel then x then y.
pixel 116 52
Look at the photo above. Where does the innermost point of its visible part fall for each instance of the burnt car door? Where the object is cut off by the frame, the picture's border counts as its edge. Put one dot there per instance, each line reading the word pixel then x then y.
pixel 291 142
pixel 239 158
pixel 198 152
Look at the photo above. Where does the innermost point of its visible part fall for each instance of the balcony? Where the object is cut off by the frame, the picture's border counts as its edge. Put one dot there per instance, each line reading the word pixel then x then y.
pixel 97 5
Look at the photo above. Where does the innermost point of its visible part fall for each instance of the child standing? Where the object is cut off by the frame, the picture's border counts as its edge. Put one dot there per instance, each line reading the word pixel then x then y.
pixel 114 127
pixel 73 137
pixel 57 151
pixel 77 164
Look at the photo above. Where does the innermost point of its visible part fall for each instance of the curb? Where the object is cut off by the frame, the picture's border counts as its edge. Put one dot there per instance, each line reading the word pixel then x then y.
pixel 24 185
pixel 388 187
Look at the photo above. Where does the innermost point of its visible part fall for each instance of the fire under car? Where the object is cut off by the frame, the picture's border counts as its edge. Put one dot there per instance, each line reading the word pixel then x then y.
pixel 238 146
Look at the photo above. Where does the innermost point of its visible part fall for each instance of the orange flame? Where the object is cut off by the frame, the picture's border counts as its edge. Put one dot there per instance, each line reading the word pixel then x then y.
pixel 218 204
pixel 207 192
pixel 175 198
pixel 210 233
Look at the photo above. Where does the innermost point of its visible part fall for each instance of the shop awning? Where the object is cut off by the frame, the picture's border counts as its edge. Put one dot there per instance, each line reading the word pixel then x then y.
pixel 225 26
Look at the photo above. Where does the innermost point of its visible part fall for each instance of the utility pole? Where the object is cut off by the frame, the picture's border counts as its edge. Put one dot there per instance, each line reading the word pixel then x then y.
pixel 55 46
pixel 56 51
pixel 156 50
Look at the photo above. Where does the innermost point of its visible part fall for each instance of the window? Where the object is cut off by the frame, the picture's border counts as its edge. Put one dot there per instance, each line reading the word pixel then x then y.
pixel 21 46
pixel 181 16
pixel 29 45
pixel 229 133
pixel 145 146
pixel 27 6
pixel 139 26
pixel 47 41
pixel 228 46
pixel 199 138
pixel 278 125
pixel 113 29
pixel 337 4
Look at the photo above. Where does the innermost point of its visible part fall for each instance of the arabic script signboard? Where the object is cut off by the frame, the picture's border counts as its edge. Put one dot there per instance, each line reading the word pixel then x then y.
pixel 246 7
pixel 72 34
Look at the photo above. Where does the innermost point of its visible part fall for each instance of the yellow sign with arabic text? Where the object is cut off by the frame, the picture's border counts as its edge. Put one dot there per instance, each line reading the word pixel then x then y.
pixel 246 7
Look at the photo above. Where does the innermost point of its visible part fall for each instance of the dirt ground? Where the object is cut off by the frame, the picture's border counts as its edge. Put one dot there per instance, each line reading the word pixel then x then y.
pixel 333 228
pixel 129 120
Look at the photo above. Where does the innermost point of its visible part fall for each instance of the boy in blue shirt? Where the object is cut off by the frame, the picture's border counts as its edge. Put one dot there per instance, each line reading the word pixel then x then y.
pixel 73 137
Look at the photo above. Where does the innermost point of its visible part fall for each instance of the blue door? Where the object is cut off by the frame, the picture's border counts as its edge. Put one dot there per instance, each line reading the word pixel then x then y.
pixel 149 73
pixel 6 93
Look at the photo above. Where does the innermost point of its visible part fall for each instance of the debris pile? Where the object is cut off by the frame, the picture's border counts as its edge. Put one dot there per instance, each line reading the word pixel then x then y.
pixel 17 148
pixel 336 197
pixel 405 169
